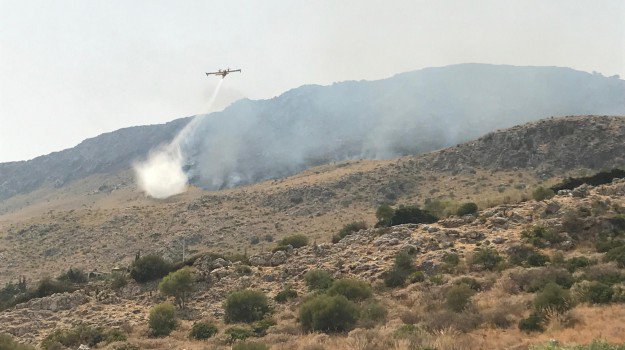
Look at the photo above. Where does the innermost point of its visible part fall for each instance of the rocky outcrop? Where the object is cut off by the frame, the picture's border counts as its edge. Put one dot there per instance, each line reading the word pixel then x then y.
pixel 56 302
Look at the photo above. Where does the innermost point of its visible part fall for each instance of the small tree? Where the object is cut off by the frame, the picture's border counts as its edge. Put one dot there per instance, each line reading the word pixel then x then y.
pixel 487 258
pixel 149 268
pixel 296 241
pixel 178 284
pixel 384 215
pixel 162 319
pixel 553 297
pixel 246 305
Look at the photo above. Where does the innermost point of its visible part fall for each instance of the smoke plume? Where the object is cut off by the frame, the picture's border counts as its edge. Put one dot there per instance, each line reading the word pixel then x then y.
pixel 161 175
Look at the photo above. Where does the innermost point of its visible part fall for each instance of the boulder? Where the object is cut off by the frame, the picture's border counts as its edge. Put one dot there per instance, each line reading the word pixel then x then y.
pixel 278 258
pixel 262 259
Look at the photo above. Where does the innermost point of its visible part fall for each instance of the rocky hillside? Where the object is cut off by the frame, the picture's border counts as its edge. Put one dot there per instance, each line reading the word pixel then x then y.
pixel 410 113
pixel 474 280
pixel 553 146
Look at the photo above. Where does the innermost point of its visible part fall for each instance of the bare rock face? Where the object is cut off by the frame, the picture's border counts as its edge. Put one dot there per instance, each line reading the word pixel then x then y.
pixel 262 259
pixel 278 258
pixel 56 302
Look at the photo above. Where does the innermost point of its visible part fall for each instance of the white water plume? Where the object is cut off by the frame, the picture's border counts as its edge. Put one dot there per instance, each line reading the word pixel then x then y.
pixel 161 175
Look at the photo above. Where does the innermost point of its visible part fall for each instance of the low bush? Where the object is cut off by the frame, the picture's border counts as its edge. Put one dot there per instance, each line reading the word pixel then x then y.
pixel 285 295
pixel 296 241
pixel 469 281
pixel 348 230
pixel 178 284
pixel 599 293
pixel 616 254
pixel 7 343
pixel 537 259
pixel 450 259
pixel 328 314
pixel 250 346
pixel 411 214
pixel 541 193
pixel 395 277
pixel 74 276
pixel 243 269
pixel 416 277
pixel 553 297
pixel 458 297
pixel 487 258
pixel 469 208
pixel 149 268
pixel 604 273
pixel 464 321
pixel 246 305
pixel 372 314
pixel 577 262
pixel 259 328
pixel 384 214
pixel 118 281
pixel 162 320
pixel 533 279
pixel 533 323
pixel 352 289
pixel 203 330
pixel 81 334
pixel 318 280
pixel 542 237
pixel 237 333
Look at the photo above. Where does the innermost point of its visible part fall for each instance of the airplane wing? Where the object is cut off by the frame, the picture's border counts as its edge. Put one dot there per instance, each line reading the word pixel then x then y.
pixel 209 73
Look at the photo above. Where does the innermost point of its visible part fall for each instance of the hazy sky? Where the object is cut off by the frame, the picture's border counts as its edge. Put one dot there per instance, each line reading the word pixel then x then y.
pixel 74 69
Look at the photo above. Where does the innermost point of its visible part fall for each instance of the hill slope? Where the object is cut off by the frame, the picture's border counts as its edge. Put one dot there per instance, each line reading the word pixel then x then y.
pixel 409 113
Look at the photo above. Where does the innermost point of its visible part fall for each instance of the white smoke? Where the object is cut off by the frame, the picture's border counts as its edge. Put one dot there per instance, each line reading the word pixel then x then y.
pixel 161 175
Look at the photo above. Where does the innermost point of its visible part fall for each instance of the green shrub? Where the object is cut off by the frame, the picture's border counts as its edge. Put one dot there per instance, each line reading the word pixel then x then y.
pixel 81 334
pixel 254 240
pixel 469 208
pixel 328 314
pixel 74 276
pixel 237 333
pixel 177 284
pixel 553 297
pixel 202 330
pixel 600 293
pixel 451 259
pixel 296 241
pixel 7 343
pixel 395 277
pixel 11 292
pixel 259 328
pixel 48 286
pixel 542 237
pixel 349 229
pixel 285 295
pixel 518 254
pixel 318 280
pixel 469 281
pixel 118 281
pixel 149 268
pixel 486 257
pixel 533 323
pixel 616 254
pixel 162 319
pixel 604 273
pixel 352 289
pixel 458 297
pixel 384 214
pixel 411 214
pixel 250 346
pixel 540 193
pixel 372 314
pixel 127 346
pixel 416 277
pixel 536 259
pixel 533 279
pixel 577 262
pixel 246 305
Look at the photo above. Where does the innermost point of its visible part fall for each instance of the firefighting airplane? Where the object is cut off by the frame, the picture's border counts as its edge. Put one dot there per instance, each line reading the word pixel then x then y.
pixel 223 72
